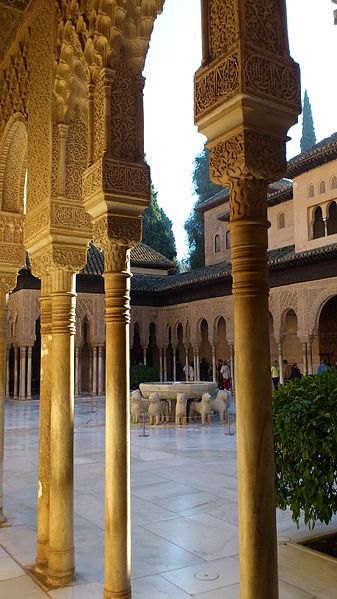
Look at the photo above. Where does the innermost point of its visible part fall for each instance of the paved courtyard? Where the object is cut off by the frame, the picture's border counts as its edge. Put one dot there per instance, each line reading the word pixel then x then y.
pixel 184 507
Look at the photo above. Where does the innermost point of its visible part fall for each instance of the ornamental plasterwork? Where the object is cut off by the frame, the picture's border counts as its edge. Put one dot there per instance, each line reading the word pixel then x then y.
pixel 116 178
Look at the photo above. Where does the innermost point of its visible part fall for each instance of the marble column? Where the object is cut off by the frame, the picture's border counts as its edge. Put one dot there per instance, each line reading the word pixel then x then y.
pixel 100 371
pixel 165 363
pixel 257 523
pixel 305 358
pixel 77 371
pixel 213 364
pixel 232 361
pixel 161 364
pixel 94 371
pixel 280 362
pixel 42 550
pixel 3 316
pixel 117 455
pixel 174 365
pixel 29 372
pixel 23 356
pixel 186 362
pixel 309 354
pixel 7 373
pixel 16 372
pixel 144 356
pixel 197 371
pixel 90 379
pixel 61 543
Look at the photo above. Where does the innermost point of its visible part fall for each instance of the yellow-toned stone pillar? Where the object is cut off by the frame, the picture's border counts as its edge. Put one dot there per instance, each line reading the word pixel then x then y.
pixel 16 378
pixel 7 373
pixel 257 526
pixel 61 543
pixel 3 314
pixel 42 553
pixel 117 466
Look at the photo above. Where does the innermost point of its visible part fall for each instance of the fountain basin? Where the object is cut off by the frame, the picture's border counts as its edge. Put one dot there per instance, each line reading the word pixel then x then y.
pixel 192 390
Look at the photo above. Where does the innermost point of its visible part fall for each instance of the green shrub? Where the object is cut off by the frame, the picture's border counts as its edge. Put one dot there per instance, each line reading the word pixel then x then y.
pixel 305 429
pixel 142 374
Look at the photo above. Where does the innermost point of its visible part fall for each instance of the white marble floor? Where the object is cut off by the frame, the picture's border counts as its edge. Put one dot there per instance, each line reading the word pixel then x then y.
pixel 184 505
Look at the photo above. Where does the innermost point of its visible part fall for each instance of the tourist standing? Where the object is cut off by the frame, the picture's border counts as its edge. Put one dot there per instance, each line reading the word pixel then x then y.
pixel 286 371
pixel 275 375
pixel 226 375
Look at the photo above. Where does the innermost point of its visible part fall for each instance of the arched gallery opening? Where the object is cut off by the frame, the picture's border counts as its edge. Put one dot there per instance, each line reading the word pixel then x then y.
pixel 136 350
pixel 292 348
pixel 222 348
pixel 327 332
pixel 273 346
pixel 86 365
pixel 169 354
pixel 36 359
pixel 152 349
pixel 180 354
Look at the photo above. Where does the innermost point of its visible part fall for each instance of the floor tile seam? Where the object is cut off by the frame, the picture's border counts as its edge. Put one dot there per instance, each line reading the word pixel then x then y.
pixel 174 544
pixel 15 560
pixel 297 588
pixel 195 490
pixel 187 509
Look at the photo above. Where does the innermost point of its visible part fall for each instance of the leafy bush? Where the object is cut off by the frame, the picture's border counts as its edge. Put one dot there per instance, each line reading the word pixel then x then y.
pixel 305 429
pixel 142 374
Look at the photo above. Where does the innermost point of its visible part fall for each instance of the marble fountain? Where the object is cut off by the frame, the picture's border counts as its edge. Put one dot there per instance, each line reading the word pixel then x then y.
pixel 169 391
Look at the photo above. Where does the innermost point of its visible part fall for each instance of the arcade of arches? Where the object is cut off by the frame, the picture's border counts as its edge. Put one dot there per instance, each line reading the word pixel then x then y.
pixel 71 117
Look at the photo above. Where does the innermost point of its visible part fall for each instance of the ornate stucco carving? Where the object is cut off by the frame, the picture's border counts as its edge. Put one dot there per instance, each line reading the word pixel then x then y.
pixel 116 178
pixel 58 258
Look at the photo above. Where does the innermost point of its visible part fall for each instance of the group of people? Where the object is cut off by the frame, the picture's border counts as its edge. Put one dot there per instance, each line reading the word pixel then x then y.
pixel 290 372
pixel 223 372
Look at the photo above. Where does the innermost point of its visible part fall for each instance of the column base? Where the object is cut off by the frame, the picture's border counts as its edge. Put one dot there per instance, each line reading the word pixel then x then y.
pixel 3 520
pixel 60 579
pixel 118 594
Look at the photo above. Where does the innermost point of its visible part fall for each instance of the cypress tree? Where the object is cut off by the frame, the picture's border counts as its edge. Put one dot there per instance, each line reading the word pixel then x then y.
pixel 308 138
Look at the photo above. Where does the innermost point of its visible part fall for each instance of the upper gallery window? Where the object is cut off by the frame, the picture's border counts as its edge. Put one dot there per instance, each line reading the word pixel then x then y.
pixel 334 182
pixel 322 187
pixel 318 229
pixel 281 220
pixel 332 219
pixel 217 244
pixel 228 240
pixel 311 191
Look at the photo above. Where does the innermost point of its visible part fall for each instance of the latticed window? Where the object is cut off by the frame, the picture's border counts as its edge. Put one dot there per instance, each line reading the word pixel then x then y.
pixel 281 221
pixel 311 191
pixel 318 229
pixel 322 187
pixel 217 244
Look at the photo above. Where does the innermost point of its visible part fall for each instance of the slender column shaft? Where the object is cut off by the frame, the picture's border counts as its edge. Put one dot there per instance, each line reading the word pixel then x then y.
pixel 144 356
pixel 7 372
pixel 213 364
pixel 232 359
pixel 16 372
pixel 309 352
pixel 165 363
pixel 23 354
pixel 29 372
pixel 305 358
pixel 61 545
pixel 186 362
pixel 257 526
pixel 117 470
pixel 77 368
pixel 161 364
pixel 174 365
pixel 62 158
pixel 100 370
pixel 197 373
pixel 280 362
pixel 90 371
pixel 3 312
pixel 42 553
pixel 94 370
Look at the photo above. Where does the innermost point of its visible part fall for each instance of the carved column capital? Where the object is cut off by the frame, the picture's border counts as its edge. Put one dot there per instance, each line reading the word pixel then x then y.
pixel 54 258
pixel 116 235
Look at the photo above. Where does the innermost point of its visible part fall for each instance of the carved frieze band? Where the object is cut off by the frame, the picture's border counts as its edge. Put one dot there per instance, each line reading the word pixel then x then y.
pixel 217 84
pixel 7 281
pixel 242 71
pixel 113 177
pixel 70 217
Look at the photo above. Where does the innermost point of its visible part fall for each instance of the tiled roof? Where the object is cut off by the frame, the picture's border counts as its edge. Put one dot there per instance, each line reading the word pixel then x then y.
pixel 277 259
pixel 319 154
pixel 141 255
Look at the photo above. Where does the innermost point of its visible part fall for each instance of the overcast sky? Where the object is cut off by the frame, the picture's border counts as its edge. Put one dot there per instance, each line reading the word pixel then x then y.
pixel 171 139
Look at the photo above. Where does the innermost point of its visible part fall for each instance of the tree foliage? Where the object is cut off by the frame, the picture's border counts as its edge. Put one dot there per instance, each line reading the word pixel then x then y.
pixel 157 229
pixel 194 225
pixel 305 434
pixel 142 374
pixel 308 138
